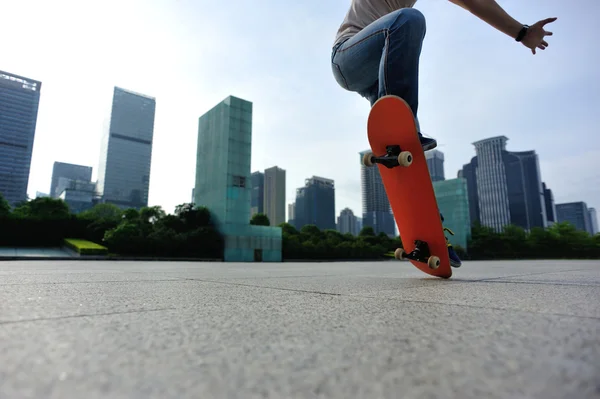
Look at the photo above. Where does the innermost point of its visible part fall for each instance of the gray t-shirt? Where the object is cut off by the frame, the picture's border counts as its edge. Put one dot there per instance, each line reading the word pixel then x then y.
pixel 363 12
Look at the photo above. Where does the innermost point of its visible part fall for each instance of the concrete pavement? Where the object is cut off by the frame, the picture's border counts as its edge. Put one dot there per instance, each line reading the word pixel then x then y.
pixel 118 329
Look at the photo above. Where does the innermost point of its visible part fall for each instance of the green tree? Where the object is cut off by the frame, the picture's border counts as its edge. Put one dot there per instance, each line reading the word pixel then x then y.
pixel 102 211
pixel 260 219
pixel 43 208
pixel 4 206
pixel 367 231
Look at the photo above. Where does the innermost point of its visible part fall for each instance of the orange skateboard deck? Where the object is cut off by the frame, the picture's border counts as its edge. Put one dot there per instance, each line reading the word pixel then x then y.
pixel 398 154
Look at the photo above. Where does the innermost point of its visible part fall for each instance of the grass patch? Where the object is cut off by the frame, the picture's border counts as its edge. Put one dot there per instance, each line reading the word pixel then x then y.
pixel 84 247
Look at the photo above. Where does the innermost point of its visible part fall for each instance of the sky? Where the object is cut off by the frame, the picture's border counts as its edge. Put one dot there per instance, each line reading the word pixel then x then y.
pixel 475 83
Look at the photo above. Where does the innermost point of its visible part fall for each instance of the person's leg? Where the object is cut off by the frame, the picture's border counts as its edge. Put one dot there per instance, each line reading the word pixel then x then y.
pixel 383 59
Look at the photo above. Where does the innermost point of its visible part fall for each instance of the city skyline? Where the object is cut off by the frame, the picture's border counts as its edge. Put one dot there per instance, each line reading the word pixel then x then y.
pixel 312 117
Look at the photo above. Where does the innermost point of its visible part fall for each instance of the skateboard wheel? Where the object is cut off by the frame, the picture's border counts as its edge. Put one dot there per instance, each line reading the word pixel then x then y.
pixel 367 159
pixel 405 158
pixel 399 254
pixel 433 262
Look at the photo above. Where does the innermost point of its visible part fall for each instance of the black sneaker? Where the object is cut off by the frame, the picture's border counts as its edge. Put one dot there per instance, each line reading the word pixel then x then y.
pixel 427 143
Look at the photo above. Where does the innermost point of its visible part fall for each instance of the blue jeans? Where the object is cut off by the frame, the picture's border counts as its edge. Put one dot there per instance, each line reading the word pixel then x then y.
pixel 383 58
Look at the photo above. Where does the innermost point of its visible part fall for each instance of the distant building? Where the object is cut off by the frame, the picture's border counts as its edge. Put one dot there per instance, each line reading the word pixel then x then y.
pixel 549 204
pixel 19 102
pixel 593 220
pixel 504 187
pixel 258 193
pixel 315 204
pixel 274 195
pixel 376 209
pixel 68 171
pixel 223 182
pixel 575 213
pixel 435 164
pixel 78 194
pixel 126 150
pixel 453 203
pixel 291 213
pixel 346 222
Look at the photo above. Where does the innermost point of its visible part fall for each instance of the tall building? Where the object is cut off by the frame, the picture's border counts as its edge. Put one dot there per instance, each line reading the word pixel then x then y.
pixel 435 164
pixel 346 222
pixel 376 209
pixel 78 194
pixel 68 171
pixel 223 183
pixel 291 213
pixel 504 187
pixel 126 150
pixel 315 204
pixel 453 203
pixel 258 194
pixel 549 205
pixel 593 220
pixel 274 195
pixel 576 213
pixel 19 102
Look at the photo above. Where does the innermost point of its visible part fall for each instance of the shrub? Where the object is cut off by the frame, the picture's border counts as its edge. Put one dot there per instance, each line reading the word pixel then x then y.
pixel 84 247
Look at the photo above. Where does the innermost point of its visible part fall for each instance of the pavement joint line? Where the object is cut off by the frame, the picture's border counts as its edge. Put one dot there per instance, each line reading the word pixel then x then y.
pixel 401 299
pixel 261 286
pixel 91 282
pixel 535 274
pixel 483 307
pixel 76 316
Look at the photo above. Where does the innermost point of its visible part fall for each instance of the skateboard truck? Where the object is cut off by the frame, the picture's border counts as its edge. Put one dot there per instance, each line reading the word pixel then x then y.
pixel 419 254
pixel 394 157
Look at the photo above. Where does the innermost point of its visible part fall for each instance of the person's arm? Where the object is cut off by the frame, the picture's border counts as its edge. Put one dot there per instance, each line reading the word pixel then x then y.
pixel 489 11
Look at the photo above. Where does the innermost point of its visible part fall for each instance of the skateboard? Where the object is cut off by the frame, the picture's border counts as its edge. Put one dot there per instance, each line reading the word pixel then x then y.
pixel 398 154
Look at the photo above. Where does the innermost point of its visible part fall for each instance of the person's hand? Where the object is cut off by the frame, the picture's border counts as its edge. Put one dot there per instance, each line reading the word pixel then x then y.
pixel 535 35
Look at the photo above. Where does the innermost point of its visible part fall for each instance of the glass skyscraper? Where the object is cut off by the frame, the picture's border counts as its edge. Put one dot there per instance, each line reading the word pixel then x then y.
pixel 19 102
pixel 126 150
pixel 68 171
pixel 504 187
pixel 435 164
pixel 223 182
pixel 576 213
pixel 376 209
pixel 453 203
pixel 315 204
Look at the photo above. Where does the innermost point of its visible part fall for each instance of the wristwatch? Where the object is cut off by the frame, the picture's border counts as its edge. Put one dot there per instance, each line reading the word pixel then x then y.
pixel 522 33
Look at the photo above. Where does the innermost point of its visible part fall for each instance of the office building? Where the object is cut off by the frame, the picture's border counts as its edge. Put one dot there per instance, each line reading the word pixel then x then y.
pixel 453 203
pixel 258 193
pixel 576 213
pixel 126 150
pixel 78 194
pixel 549 205
pixel 68 171
pixel 223 182
pixel 435 164
pixel 19 102
pixel 376 209
pixel 315 204
pixel 347 223
pixel 504 187
pixel 593 220
pixel 291 213
pixel 274 195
